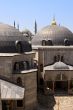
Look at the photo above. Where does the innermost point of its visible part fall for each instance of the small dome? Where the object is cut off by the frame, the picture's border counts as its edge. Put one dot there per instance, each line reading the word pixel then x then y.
pixel 60 65
pixel 26 31
pixel 8 37
pixel 56 33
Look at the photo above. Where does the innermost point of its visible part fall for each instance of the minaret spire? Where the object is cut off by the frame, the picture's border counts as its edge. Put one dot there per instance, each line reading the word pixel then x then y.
pixel 35 27
pixel 14 24
pixel 18 26
pixel 53 21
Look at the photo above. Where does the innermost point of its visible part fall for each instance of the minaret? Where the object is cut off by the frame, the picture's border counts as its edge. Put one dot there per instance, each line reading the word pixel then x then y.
pixel 35 27
pixel 18 26
pixel 14 24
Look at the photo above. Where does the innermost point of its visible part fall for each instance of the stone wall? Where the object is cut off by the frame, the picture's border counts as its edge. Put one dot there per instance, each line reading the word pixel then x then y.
pixel 29 81
pixel 46 54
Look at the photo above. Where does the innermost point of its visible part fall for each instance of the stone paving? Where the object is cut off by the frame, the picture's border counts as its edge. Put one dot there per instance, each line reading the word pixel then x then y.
pixel 57 102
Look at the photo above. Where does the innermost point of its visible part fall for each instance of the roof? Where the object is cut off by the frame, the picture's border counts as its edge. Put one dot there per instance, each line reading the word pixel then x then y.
pixel 8 31
pixel 8 38
pixel 56 33
pixel 58 66
pixel 10 90
pixel 39 47
pixel 15 54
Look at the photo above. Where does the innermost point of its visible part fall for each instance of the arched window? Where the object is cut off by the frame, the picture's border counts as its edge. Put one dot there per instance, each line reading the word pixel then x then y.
pixel 49 42
pixel 66 42
pixel 16 66
pixel 19 81
pixel 55 58
pixel 21 65
pixel 58 58
pixel 43 42
pixel 27 63
pixel 35 63
pixel 18 46
pixel 62 58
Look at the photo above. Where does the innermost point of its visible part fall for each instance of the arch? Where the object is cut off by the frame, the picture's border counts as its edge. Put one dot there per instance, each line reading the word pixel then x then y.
pixel 18 46
pixel 62 58
pixel 25 65
pixel 21 65
pixel 49 42
pixel 19 81
pixel 16 66
pixel 55 58
pixel 28 65
pixel 66 42
pixel 43 42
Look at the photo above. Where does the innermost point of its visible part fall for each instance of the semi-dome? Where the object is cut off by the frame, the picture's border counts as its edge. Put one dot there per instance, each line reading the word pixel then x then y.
pixel 28 32
pixel 10 37
pixel 60 65
pixel 53 34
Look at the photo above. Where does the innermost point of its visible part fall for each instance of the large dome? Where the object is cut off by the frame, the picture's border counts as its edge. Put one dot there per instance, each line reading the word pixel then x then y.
pixel 9 37
pixel 55 33
pixel 9 33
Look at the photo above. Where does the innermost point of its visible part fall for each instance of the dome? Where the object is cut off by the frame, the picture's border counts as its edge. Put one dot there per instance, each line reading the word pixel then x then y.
pixel 55 33
pixel 27 32
pixel 9 36
pixel 60 65
pixel 7 31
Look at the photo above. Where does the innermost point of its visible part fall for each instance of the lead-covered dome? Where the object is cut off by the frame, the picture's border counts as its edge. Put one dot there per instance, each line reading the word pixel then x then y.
pixel 54 35
pixel 60 65
pixel 10 38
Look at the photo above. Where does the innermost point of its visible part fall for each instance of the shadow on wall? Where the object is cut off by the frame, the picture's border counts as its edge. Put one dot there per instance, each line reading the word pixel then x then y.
pixel 46 102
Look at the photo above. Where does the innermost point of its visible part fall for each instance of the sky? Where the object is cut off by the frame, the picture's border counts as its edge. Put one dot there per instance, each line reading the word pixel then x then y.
pixel 25 12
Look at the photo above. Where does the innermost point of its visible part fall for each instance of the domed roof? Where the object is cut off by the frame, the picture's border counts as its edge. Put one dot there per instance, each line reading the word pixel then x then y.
pixel 26 31
pixel 8 32
pixel 60 65
pixel 55 33
pixel 9 36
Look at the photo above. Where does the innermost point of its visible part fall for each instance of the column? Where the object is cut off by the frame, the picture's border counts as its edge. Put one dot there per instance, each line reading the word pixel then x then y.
pixel 68 86
pixel 53 86
pixel 45 87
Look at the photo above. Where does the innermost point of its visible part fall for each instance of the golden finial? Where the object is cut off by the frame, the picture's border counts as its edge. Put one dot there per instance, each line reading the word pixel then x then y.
pixel 53 21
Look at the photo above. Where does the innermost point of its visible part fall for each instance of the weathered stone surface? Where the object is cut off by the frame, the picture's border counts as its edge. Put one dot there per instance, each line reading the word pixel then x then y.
pixel 61 102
